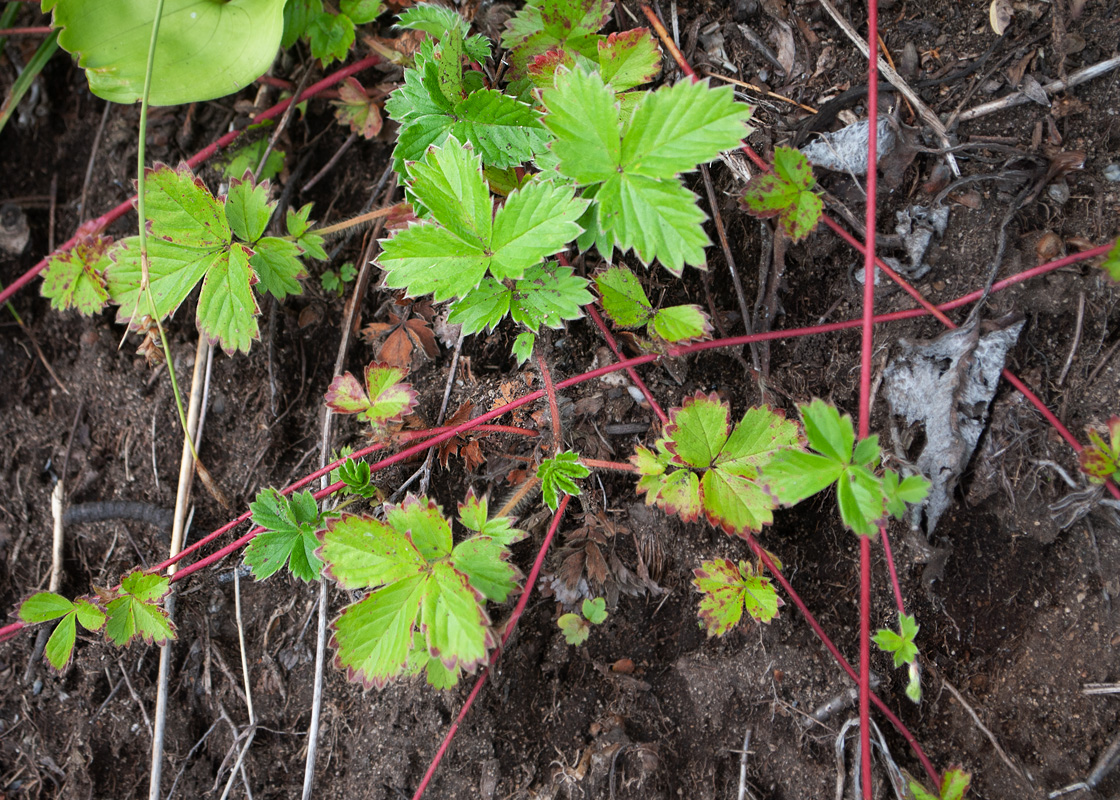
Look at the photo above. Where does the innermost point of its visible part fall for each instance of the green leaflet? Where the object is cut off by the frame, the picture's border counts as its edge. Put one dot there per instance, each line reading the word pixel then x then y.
pixel 290 539
pixel 47 606
pixel 76 279
pixel 727 590
pixel 1111 263
pixel 544 25
pixel 384 400
pixel 135 611
pixel 468 239
pixel 702 465
pixel 900 645
pixel 633 163
pixel 426 610
pixel 546 295
pixel 954 784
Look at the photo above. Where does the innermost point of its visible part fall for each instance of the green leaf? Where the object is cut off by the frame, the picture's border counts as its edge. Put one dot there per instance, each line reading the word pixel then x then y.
pixel 680 324
pixel 373 637
pixel 623 298
pixel 60 646
pixel 1101 460
pixel 828 433
pixel 728 590
pixel 629 58
pixel 482 560
pixel 482 307
pixel 900 645
pixel 135 611
pixel 558 476
pixel 357 110
pixel 575 628
pixel 449 182
pixel 535 222
pixel 43 607
pixel 796 475
pixel 247 209
pixel 247 158
pixel 657 219
pixel 297 16
pixel 681 126
pixel 433 19
pixel 544 25
pixel 701 464
pixel 428 259
pixel 954 783
pixel 583 116
pixel 786 193
pixel 454 622
pixel 523 347
pixel 361 552
pixel 361 11
pixel 299 227
pixel 91 617
pixel 227 310
pixel 357 477
pixel 547 295
pixel 1111 263
pixel 277 265
pixel 331 36
pixel 384 400
pixel 859 494
pixel 912 489
pixel 202 52
pixel 290 536
pixel 595 610
pixel 914 684
pixel 422 522
pixel 75 279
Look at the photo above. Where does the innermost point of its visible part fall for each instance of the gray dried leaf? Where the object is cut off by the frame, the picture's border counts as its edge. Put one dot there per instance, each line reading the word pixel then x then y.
pixel 846 149
pixel 1034 91
pixel 946 385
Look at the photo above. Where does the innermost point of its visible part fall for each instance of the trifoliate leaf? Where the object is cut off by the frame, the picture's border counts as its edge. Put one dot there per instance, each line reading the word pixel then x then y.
pixel 247 158
pixel 629 58
pixel 384 400
pixel 954 783
pixel 727 590
pixel 680 324
pixel 482 560
pixel 135 611
pixel 794 476
pixel 623 298
pixel 46 606
pixel 76 278
pixel 701 464
pixel 900 645
pixel 912 489
pixel 1111 263
pixel 558 476
pixel 575 628
pixel 331 37
pixel 473 515
pixel 523 347
pixel 355 109
pixel 454 622
pixel 277 265
pixel 451 259
pixel 595 610
pixel 247 209
pixel 290 539
pixel 786 193
pixel 544 25
pixel 299 226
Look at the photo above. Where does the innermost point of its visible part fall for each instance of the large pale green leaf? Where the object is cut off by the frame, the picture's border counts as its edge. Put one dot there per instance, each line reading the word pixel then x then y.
pixel 583 115
pixel 374 636
pixel 535 222
pixel 362 552
pixel 455 623
pixel 205 49
pixel 658 219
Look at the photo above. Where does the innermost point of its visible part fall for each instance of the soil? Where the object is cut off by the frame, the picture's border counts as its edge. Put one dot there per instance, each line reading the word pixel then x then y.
pixel 1016 597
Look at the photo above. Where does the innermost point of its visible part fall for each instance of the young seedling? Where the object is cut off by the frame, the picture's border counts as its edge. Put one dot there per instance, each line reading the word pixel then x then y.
pixel 954 785
pixel 577 628
pixel 330 35
pixel 728 590
pixel 134 611
pixel 426 609
pixel 704 466
pixel 786 193
pixel 47 606
pixel 863 497
pixel 383 401
pixel 336 282
pixel 1101 460
pixel 626 303
pixel 289 538
pixel 902 648
pixel 559 475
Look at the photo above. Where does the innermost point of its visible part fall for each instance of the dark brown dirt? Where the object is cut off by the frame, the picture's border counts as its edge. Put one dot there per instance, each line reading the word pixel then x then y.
pixel 1018 614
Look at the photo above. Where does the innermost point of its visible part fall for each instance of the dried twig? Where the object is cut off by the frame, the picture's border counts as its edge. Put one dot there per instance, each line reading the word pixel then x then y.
pixel 237 766
pixel 897 81
pixel 92 159
pixel 1076 338
pixel 984 729
pixel 1018 98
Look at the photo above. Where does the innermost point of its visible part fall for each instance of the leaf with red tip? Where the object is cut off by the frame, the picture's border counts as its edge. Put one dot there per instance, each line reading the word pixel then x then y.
pixel 76 279
pixel 629 58
pixel 728 590
pixel 355 108
pixel 786 193
pixel 346 396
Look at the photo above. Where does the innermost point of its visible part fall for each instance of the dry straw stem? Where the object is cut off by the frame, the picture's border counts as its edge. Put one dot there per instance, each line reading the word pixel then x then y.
pixel 1018 98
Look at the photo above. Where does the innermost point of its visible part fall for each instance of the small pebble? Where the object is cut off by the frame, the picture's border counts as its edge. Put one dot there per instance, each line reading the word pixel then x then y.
pixel 1112 173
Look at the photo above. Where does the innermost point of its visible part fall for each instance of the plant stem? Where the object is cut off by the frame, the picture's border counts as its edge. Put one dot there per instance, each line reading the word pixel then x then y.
pixel 354 222
pixel 618 466
pixel 553 406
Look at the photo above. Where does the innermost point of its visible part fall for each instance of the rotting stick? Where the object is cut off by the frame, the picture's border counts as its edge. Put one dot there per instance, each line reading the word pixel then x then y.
pixel 1018 98
pixel 984 729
